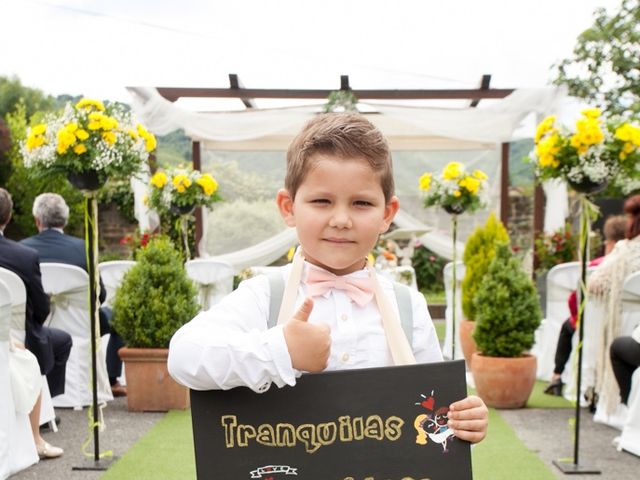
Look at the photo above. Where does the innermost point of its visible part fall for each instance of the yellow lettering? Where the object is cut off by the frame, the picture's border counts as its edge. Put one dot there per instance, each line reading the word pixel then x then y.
pixel 285 435
pixel 245 432
pixel 327 433
pixel 374 427
pixel 266 435
pixel 393 428
pixel 358 428
pixel 346 433
pixel 228 423
pixel 306 434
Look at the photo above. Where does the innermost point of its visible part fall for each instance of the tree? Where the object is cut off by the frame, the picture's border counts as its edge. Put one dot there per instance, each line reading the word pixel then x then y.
pixel 12 92
pixel 605 66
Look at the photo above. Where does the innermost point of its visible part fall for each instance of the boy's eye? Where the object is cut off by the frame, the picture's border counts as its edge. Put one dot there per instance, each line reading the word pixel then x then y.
pixel 320 200
pixel 362 203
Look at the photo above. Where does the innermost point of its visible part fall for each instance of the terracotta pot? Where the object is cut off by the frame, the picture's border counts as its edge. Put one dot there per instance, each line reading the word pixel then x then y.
pixel 467 342
pixel 150 388
pixel 504 382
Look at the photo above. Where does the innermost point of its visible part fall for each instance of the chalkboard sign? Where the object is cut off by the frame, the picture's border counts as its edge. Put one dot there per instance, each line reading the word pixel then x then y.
pixel 370 424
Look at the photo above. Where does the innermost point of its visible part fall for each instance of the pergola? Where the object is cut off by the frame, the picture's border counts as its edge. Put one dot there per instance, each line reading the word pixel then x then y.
pixel 248 95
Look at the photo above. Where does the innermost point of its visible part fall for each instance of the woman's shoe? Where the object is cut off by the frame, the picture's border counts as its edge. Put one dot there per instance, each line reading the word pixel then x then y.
pixel 46 450
pixel 555 388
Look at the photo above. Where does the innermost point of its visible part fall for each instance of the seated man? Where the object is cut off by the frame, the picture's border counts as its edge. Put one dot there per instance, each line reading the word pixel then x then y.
pixel 51 214
pixel 50 346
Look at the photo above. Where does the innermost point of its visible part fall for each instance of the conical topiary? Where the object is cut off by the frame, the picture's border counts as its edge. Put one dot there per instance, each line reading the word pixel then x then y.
pixel 156 297
pixel 507 308
pixel 478 253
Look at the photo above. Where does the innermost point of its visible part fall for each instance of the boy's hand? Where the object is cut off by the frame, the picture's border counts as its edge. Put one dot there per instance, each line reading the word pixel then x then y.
pixel 469 419
pixel 309 345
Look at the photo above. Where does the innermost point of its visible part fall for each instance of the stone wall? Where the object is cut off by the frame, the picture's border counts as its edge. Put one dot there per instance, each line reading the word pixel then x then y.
pixel 113 227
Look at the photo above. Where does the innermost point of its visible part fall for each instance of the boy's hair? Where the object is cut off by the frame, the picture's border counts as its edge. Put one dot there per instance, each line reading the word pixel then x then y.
pixel 342 135
pixel 615 228
pixel 6 205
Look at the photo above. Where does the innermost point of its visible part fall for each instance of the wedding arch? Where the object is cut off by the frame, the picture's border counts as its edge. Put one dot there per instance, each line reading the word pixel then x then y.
pixel 421 138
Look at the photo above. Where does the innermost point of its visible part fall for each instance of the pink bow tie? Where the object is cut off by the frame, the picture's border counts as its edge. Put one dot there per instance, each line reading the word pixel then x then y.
pixel 360 290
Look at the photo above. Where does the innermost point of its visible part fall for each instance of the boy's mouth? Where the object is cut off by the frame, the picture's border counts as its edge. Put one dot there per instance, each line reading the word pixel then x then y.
pixel 338 240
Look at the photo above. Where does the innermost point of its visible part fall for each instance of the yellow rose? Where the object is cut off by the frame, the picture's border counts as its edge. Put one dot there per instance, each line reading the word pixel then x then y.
pixel 425 182
pixel 82 134
pixel 480 175
pixel 159 179
pixel 89 103
pixel 181 182
pixel 71 127
pixel 471 184
pixel 132 134
pixel 80 149
pixel 628 148
pixel 456 193
pixel 109 137
pixel 591 112
pixel 150 142
pixel 208 183
pixel 452 171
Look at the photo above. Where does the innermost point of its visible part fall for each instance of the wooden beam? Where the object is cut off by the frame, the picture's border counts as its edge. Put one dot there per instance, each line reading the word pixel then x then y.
pixel 484 85
pixel 504 185
pixel 344 82
pixel 538 221
pixel 236 84
pixel 174 93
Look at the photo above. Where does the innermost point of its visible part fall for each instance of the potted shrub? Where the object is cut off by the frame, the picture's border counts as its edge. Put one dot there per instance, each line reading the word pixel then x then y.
pixel 479 250
pixel 507 314
pixel 155 299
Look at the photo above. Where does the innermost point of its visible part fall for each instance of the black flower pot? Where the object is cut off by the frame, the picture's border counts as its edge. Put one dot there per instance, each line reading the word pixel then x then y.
pixel 588 187
pixel 455 209
pixel 86 180
pixel 181 209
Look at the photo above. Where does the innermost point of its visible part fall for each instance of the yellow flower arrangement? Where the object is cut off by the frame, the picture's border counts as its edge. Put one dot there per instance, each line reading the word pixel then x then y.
pixel 596 151
pixel 88 136
pixel 455 190
pixel 181 190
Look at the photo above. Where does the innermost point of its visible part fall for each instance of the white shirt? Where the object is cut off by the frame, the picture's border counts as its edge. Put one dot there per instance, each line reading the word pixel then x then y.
pixel 230 345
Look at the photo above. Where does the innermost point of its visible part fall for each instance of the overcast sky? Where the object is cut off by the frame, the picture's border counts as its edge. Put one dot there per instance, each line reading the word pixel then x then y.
pixel 97 48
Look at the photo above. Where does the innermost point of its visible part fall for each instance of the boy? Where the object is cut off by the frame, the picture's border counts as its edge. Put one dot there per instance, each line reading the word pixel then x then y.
pixel 339 195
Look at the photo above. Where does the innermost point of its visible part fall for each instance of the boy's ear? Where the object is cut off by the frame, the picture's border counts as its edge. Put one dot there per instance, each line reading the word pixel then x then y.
pixel 285 205
pixel 390 211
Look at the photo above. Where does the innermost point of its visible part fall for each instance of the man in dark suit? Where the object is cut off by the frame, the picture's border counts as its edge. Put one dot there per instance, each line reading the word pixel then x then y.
pixel 51 214
pixel 50 346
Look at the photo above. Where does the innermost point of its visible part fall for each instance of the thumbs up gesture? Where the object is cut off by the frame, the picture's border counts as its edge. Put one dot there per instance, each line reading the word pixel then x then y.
pixel 309 345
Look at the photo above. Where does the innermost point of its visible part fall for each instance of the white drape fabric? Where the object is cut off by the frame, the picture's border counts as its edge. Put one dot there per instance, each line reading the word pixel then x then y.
pixel 555 191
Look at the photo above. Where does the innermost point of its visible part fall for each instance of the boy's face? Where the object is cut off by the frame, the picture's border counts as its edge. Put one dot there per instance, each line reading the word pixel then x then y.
pixel 338 212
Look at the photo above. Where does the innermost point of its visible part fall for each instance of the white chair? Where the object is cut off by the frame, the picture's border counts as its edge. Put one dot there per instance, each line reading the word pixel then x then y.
pixel 448 313
pixel 630 438
pixel 214 279
pixel 561 281
pixel 112 274
pixel 68 288
pixel 404 274
pixel 18 294
pixel 17 447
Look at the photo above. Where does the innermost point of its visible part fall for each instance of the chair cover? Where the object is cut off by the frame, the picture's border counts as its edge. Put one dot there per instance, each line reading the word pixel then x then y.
pixel 594 316
pixel 630 438
pixel 214 279
pixel 404 274
pixel 561 281
pixel 68 289
pixel 17 447
pixel 112 274
pixel 448 313
pixel 18 311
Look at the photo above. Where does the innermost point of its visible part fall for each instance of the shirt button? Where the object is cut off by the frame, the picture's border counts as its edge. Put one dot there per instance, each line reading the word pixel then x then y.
pixel 264 387
pixel 344 317
pixel 345 357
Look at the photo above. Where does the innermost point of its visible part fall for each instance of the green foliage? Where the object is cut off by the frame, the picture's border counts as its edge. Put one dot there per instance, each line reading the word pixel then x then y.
pixel 24 186
pixel 555 248
pixel 119 192
pixel 507 308
pixel 156 297
pixel 429 269
pixel 13 92
pixel 605 62
pixel 478 253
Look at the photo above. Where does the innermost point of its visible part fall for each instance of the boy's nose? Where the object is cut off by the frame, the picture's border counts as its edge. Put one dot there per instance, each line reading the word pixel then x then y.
pixel 340 219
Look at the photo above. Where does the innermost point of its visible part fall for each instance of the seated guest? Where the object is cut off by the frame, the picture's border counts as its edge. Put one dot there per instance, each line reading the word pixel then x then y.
pixel 51 214
pixel 625 358
pixel 614 231
pixel 50 346
pixel 605 284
